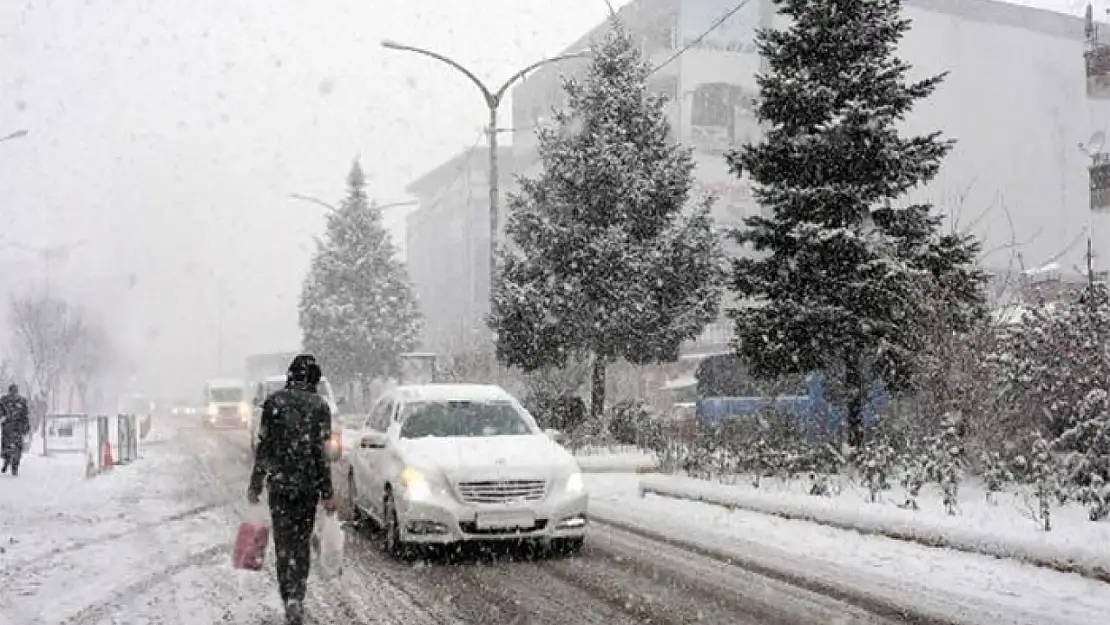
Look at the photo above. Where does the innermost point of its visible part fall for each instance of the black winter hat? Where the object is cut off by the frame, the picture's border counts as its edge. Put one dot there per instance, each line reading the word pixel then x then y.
pixel 304 368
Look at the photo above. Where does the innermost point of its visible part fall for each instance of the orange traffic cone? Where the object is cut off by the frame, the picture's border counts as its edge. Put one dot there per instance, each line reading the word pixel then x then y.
pixel 108 461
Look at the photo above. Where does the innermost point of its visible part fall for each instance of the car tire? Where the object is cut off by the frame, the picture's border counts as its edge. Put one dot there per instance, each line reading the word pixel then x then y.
pixel 567 547
pixel 357 518
pixel 391 532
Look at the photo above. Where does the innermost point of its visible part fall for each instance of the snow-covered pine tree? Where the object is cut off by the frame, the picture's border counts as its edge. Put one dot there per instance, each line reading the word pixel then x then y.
pixel 358 313
pixel 607 262
pixel 841 271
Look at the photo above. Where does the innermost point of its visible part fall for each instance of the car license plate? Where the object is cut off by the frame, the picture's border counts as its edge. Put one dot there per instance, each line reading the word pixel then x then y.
pixel 505 519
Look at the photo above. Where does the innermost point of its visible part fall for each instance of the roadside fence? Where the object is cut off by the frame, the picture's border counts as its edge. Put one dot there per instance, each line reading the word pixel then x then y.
pixel 103 440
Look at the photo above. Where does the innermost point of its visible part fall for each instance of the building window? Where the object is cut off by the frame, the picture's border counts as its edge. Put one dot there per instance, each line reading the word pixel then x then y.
pixel 722 117
pixel 666 86
pixel 660 34
pixel 712 105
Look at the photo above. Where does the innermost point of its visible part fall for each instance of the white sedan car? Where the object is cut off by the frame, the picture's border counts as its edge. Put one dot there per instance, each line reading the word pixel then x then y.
pixel 446 463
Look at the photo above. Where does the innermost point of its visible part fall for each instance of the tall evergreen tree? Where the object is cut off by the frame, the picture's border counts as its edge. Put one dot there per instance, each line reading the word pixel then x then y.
pixel 607 262
pixel 842 272
pixel 358 313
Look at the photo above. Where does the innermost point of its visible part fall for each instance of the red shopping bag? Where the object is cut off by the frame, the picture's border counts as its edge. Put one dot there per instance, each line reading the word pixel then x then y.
pixel 251 541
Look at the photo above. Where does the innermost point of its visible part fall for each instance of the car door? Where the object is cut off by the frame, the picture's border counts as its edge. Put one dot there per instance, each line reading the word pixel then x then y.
pixel 367 460
pixel 376 459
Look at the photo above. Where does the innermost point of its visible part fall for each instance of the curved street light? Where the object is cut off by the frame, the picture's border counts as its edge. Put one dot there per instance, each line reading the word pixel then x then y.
pixel 493 99
pixel 18 134
pixel 333 208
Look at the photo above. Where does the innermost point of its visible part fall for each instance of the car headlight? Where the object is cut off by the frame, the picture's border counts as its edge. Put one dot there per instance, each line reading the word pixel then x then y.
pixel 212 410
pixel 575 483
pixel 415 483
pixel 244 411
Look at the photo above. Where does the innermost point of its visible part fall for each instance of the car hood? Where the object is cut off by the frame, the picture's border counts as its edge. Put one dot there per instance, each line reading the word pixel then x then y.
pixel 494 457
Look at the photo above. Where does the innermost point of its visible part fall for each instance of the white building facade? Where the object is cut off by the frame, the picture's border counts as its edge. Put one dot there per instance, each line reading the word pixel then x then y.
pixel 1014 99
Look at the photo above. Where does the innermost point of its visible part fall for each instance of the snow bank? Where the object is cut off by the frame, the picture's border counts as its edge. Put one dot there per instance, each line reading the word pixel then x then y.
pixel 1005 530
pixel 933 584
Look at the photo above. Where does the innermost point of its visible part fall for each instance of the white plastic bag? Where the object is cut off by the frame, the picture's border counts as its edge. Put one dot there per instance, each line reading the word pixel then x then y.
pixel 328 541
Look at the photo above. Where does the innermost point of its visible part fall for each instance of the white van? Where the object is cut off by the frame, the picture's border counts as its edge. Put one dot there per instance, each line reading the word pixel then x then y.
pixel 225 404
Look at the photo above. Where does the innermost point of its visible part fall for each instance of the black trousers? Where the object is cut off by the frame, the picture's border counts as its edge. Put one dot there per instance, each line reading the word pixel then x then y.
pixel 293 515
pixel 11 450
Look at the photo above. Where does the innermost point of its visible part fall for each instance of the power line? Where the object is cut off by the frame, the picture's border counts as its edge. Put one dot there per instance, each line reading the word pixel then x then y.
pixel 702 36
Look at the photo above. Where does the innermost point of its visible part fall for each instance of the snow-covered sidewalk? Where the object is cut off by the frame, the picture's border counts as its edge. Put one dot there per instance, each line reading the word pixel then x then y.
pixel 149 540
pixel 1005 528
pixel 949 585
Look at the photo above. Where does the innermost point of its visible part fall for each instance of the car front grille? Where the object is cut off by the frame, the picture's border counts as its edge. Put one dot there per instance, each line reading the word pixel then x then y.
pixel 502 491
pixel 229 412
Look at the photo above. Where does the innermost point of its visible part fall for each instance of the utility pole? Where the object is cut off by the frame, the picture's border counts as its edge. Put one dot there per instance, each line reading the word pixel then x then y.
pixel 220 326
pixel 493 100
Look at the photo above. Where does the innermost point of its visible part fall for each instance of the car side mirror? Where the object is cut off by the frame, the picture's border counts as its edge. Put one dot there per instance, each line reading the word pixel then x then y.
pixel 554 434
pixel 374 440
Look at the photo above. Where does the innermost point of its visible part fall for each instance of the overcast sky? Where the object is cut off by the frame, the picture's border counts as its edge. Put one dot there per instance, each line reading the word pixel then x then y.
pixel 168 134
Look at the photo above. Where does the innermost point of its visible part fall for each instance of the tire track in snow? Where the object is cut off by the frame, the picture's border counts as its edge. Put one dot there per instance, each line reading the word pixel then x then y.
pixel 59 587
pixel 362 595
pixel 92 614
pixel 39 559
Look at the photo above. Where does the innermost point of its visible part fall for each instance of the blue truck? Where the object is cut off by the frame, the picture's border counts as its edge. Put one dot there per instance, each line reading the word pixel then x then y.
pixel 818 417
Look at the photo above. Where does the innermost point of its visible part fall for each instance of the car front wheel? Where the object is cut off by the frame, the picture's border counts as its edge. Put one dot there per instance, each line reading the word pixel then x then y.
pixel 355 513
pixel 393 543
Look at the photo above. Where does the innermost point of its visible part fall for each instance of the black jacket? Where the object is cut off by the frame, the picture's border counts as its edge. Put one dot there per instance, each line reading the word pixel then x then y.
pixel 290 456
pixel 14 417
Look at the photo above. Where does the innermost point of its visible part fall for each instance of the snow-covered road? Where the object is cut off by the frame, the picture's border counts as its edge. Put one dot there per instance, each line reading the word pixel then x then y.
pixel 149 543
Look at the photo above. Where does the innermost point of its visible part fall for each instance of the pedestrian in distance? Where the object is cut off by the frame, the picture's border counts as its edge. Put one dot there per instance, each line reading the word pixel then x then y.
pixel 15 424
pixel 291 462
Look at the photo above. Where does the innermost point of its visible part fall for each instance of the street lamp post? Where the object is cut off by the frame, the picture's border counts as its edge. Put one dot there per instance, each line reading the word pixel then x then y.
pixel 493 102
pixel 47 254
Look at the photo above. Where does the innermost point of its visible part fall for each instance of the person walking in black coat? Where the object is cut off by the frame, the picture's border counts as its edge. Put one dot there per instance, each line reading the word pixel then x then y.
pixel 15 423
pixel 292 464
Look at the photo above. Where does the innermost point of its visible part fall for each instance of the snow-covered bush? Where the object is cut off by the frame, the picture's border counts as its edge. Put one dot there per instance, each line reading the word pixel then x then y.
pixel 916 468
pixel 1087 463
pixel 947 457
pixel 995 473
pixel 1042 475
pixel 875 462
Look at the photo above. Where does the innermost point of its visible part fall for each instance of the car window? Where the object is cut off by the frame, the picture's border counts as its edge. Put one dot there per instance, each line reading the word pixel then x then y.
pixel 449 419
pixel 379 416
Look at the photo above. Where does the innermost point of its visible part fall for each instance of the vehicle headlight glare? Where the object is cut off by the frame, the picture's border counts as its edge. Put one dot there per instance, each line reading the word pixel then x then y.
pixel 212 410
pixel 575 483
pixel 415 484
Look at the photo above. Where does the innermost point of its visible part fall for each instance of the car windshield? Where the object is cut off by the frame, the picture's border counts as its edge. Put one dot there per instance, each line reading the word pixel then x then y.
pixel 462 418
pixel 225 395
